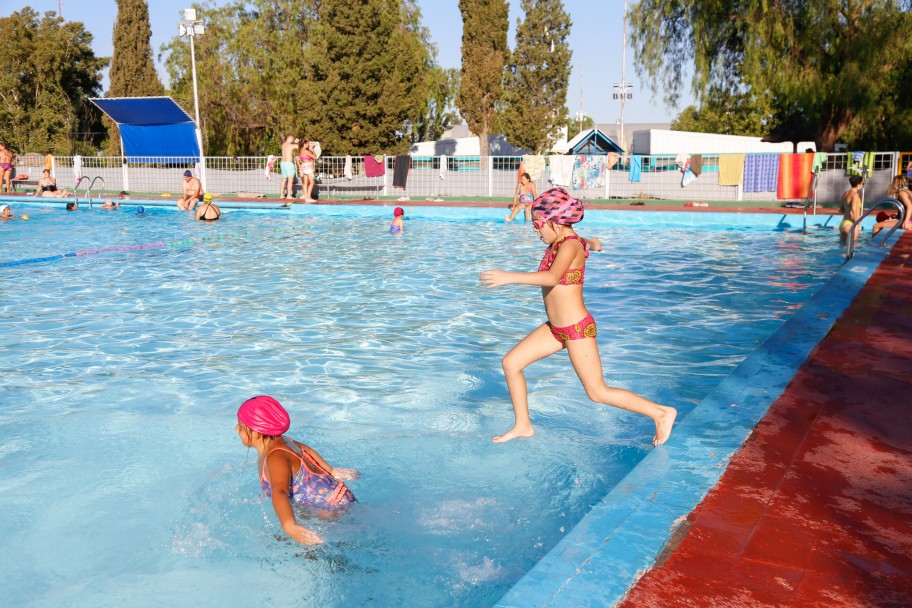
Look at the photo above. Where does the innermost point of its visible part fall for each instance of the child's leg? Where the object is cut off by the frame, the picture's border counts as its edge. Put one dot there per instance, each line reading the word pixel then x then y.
pixel 537 345
pixel 586 361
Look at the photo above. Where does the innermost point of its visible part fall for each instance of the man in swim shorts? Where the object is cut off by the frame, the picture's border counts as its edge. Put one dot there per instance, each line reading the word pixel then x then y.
pixel 287 167
pixel 192 189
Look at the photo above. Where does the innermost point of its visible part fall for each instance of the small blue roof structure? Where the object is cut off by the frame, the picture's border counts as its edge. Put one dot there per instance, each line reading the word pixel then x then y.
pixel 151 126
pixel 592 141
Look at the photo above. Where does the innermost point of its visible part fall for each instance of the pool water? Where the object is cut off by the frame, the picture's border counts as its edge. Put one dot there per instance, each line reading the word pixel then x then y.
pixel 122 481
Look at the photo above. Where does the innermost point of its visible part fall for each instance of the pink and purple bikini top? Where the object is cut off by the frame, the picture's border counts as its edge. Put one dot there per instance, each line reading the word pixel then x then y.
pixel 573 276
pixel 310 489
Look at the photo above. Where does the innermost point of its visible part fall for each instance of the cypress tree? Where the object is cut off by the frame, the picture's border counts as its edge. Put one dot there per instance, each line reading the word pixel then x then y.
pixel 132 69
pixel 535 82
pixel 484 54
pixel 365 78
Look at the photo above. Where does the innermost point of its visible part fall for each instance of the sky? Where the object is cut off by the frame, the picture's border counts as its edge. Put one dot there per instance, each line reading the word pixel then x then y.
pixel 596 39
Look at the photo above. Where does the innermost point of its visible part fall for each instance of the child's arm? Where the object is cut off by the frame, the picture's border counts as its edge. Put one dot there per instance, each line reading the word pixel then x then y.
pixel 542 278
pixel 336 472
pixel 280 477
pixel 516 194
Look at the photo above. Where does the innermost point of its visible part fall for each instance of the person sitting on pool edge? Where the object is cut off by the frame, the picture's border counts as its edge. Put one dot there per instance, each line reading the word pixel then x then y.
pixel 291 473
pixel 47 187
pixel 208 212
pixel 192 190
pixel 899 190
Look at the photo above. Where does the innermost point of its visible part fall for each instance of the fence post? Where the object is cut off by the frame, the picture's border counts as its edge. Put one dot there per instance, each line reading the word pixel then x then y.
pixel 385 184
pixel 490 175
pixel 126 173
pixel 607 179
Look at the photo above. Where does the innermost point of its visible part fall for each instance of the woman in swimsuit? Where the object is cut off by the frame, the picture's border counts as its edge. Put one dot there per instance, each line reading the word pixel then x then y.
pixel 47 186
pixel 208 212
pixel 569 326
pixel 291 473
pixel 899 190
pixel 6 167
pixel 522 198
pixel 307 157
pixel 851 208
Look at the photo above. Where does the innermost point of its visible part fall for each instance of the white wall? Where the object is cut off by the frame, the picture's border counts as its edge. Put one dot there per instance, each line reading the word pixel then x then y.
pixel 660 141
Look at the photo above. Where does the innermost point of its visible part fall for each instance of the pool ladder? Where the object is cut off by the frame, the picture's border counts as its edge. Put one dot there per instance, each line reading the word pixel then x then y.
pixel 88 191
pixel 891 202
pixel 811 196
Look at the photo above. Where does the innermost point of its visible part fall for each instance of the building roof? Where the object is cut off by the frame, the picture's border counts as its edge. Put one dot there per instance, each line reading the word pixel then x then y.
pixel 592 141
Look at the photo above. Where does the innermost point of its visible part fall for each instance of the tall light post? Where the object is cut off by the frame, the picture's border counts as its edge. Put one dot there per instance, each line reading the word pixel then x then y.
pixel 623 87
pixel 193 27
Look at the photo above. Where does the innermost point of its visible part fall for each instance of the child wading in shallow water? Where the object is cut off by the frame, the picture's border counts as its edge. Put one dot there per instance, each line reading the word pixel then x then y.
pixel 569 325
pixel 291 473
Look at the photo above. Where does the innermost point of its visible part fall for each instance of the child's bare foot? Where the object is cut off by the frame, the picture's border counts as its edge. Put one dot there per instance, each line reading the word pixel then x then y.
pixel 507 218
pixel 664 424
pixel 517 432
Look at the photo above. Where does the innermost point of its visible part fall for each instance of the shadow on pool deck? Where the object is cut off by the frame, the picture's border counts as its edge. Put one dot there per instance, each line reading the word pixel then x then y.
pixel 816 508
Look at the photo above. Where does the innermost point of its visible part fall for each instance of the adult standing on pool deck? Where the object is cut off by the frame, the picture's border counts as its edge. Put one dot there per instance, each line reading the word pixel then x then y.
pixel 192 190
pixel 569 326
pixel 287 168
pixel 6 167
pixel 851 208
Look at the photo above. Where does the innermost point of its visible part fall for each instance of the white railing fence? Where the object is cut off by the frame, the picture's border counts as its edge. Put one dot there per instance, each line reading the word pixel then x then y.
pixel 463 177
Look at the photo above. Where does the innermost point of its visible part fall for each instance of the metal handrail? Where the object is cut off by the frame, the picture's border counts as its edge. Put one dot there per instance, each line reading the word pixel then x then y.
pixel 812 193
pixel 76 188
pixel 850 241
pixel 92 185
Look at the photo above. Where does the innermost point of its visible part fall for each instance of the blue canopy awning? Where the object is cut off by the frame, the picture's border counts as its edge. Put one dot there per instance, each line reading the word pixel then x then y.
pixel 152 126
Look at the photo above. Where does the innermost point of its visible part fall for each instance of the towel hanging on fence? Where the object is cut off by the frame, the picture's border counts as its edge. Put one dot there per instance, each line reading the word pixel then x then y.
pixel 561 170
pixel 688 178
pixel 77 168
pixel 820 159
pixel 198 171
pixel 347 169
pixel 794 176
pixel 858 162
pixel 636 167
pixel 270 163
pixel 696 164
pixel 611 160
pixel 535 166
pixel 761 172
pixel 731 169
pixel 443 166
pixel 588 172
pixel 374 165
pixel 401 165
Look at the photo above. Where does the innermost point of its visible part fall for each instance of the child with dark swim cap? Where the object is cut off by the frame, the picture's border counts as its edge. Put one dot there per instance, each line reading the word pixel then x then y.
pixel 291 473
pixel 569 325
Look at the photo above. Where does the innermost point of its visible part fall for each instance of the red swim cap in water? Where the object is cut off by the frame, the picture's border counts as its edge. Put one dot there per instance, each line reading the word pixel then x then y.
pixel 558 206
pixel 264 415
pixel 398 211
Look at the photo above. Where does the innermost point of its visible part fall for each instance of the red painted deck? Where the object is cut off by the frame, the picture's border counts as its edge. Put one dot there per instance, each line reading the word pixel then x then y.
pixel 815 510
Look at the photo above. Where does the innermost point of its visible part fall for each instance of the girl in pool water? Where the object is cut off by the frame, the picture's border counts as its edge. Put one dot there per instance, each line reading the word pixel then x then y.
pixel 398 226
pixel 569 325
pixel 290 472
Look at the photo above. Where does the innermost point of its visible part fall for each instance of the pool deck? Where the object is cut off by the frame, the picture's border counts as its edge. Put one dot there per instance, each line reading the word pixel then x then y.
pixel 816 508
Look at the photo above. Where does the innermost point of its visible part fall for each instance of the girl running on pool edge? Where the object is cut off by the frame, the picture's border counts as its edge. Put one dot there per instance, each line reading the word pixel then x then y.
pixel 291 473
pixel 569 325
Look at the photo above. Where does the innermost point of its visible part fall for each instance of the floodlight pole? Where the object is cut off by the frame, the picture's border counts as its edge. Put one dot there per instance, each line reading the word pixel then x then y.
pixel 192 27
pixel 624 86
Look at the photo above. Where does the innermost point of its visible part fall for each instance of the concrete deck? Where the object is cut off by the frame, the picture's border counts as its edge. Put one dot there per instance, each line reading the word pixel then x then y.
pixel 816 509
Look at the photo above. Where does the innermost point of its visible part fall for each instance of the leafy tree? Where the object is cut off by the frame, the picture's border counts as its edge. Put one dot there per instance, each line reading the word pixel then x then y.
pixel 132 70
pixel 364 82
pixel 484 54
pixel 535 82
pixel 823 67
pixel 575 125
pixel 738 114
pixel 248 62
pixel 439 111
pixel 47 72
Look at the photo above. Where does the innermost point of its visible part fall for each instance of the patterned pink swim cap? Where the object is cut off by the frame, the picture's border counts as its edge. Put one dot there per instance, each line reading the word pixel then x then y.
pixel 264 415
pixel 558 206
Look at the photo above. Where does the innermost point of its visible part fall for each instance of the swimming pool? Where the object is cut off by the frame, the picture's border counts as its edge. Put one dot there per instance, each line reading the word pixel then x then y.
pixel 124 483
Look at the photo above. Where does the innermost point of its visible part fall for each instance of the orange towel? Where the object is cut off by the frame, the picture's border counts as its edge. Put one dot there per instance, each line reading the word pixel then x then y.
pixel 794 176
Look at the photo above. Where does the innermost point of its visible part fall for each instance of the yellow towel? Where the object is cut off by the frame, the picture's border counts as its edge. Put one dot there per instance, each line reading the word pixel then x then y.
pixel 731 169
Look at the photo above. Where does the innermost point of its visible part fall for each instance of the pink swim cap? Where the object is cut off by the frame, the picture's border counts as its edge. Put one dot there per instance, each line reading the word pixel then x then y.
pixel 264 415
pixel 558 206
pixel 398 211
